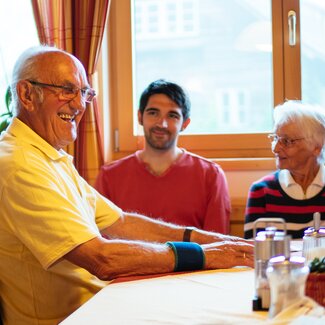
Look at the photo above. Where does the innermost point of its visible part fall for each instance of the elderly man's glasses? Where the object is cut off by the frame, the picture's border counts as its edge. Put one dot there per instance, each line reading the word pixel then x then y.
pixel 70 92
pixel 284 141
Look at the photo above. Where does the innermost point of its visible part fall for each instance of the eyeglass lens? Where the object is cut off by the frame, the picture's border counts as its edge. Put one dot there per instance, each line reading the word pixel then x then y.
pixel 87 94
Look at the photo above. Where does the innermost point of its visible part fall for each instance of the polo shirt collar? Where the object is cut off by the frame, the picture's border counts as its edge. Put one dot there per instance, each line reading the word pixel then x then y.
pixel 319 180
pixel 20 130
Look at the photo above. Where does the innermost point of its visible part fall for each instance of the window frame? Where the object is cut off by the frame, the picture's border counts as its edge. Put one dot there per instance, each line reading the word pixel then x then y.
pixel 286 85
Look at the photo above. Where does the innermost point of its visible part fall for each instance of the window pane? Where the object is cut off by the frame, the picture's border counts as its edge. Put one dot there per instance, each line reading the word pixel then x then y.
pixel 219 51
pixel 15 37
pixel 312 28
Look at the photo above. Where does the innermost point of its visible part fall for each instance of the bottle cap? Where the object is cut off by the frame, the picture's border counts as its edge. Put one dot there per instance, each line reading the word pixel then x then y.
pixel 282 261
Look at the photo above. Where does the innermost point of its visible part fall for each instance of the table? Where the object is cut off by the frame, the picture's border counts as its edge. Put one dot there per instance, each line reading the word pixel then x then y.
pixel 205 297
pixel 217 297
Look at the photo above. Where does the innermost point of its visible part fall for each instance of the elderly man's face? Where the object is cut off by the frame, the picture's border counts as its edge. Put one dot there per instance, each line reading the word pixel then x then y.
pixel 54 117
pixel 297 155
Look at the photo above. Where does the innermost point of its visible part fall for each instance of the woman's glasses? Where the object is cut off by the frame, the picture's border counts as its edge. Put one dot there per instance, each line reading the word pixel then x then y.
pixel 284 141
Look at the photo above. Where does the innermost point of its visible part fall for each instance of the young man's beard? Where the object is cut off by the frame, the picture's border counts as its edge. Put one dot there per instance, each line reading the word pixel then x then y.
pixel 159 144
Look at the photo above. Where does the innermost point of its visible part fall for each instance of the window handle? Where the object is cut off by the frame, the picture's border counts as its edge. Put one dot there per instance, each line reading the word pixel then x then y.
pixel 292 27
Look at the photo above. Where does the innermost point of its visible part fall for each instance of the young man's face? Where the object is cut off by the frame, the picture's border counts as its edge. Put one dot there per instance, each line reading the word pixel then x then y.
pixel 162 120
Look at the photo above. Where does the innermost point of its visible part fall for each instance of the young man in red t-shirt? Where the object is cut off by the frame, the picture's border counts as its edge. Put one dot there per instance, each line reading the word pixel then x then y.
pixel 164 181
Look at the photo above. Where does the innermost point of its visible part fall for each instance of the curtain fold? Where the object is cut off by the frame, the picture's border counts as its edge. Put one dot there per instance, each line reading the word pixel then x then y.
pixel 77 26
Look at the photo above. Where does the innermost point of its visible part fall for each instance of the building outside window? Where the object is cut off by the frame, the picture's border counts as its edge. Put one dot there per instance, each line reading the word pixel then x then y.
pixel 220 51
pixel 15 37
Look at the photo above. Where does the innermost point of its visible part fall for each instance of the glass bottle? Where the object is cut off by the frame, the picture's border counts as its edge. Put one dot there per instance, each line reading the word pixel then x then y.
pixel 287 278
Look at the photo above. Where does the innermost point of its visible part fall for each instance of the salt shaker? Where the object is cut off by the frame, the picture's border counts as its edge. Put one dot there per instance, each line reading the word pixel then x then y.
pixel 287 279
pixel 267 244
pixel 314 240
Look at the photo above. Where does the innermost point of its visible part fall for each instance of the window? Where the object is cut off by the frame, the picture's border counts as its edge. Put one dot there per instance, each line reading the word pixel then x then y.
pixel 212 45
pixel 313 51
pixel 14 38
pixel 168 19
pixel 246 47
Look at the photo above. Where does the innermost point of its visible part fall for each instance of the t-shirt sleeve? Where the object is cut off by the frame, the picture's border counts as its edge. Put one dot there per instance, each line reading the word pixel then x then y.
pixel 51 215
pixel 219 207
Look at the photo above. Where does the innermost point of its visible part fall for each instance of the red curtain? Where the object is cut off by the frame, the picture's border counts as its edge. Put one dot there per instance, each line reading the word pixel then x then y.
pixel 77 26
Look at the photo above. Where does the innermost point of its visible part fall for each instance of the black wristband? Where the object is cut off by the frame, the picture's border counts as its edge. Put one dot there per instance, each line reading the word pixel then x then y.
pixel 187 234
pixel 188 256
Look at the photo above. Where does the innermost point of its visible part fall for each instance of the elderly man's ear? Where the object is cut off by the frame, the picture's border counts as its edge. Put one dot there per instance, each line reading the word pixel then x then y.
pixel 25 94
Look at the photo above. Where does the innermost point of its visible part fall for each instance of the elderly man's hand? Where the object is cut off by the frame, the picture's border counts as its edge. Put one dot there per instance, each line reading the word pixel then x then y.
pixel 227 254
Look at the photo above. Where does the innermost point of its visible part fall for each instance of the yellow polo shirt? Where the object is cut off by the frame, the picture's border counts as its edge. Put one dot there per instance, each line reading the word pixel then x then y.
pixel 46 210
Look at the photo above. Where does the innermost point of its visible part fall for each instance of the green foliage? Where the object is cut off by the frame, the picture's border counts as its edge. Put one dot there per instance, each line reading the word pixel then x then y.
pixel 6 117
pixel 317 265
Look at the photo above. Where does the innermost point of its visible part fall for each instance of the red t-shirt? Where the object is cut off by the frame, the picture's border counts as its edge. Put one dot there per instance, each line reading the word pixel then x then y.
pixel 193 191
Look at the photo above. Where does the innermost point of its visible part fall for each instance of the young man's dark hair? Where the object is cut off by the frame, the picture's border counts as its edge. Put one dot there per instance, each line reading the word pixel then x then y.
pixel 171 90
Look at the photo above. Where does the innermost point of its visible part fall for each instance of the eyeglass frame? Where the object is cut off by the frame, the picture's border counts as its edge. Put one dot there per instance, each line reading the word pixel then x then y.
pixel 284 141
pixel 74 89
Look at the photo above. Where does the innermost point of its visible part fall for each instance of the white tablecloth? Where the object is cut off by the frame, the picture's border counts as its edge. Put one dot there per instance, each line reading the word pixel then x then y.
pixel 207 297
pixel 218 297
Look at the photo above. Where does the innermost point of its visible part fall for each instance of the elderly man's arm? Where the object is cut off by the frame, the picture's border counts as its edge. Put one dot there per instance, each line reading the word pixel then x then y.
pixel 109 259
pixel 137 247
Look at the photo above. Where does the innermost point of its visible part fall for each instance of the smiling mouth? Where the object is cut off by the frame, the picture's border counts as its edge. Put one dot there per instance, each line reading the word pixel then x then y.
pixel 66 117
pixel 159 132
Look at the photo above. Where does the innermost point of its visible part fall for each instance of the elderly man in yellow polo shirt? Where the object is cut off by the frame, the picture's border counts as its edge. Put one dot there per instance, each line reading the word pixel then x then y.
pixel 60 240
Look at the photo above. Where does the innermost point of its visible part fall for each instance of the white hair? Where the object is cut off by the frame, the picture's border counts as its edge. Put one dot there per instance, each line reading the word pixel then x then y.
pixel 26 68
pixel 309 120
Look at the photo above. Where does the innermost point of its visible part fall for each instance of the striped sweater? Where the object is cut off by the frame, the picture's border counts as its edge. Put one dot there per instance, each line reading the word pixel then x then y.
pixel 266 199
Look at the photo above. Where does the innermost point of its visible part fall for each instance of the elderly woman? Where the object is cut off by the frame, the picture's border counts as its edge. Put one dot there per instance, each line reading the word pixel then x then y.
pixel 297 189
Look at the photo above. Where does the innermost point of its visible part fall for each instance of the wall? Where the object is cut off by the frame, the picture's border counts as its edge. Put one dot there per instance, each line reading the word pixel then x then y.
pixel 240 176
pixel 239 183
